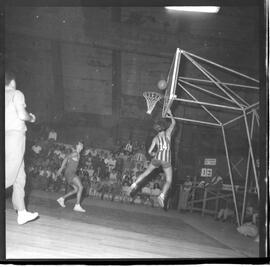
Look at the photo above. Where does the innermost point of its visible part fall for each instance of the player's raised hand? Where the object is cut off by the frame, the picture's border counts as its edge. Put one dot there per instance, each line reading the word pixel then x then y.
pixel 169 112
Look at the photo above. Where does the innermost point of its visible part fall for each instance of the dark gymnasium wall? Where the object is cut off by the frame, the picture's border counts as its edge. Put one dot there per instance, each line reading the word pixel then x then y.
pixel 83 69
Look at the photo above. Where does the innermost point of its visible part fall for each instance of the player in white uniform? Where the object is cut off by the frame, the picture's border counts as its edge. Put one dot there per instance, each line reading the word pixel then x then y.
pixel 15 117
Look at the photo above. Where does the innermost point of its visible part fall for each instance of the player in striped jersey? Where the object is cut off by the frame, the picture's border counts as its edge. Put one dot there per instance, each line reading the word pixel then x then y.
pixel 162 157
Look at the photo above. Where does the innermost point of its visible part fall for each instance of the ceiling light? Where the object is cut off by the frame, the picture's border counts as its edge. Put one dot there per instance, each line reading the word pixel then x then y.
pixel 206 9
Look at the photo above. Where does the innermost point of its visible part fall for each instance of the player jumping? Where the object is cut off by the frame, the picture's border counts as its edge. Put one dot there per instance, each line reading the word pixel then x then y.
pixel 162 157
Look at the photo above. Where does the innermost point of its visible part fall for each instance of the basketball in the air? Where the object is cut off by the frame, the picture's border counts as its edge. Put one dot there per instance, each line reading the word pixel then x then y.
pixel 162 84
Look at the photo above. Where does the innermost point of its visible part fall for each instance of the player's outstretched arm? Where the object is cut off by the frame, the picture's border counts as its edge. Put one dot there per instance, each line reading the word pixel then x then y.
pixel 171 127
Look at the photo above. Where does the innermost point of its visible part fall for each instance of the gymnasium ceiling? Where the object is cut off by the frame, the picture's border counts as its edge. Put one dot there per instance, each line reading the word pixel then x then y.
pixel 149 30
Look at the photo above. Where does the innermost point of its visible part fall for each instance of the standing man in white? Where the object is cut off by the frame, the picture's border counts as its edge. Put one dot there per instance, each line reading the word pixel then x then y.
pixel 15 128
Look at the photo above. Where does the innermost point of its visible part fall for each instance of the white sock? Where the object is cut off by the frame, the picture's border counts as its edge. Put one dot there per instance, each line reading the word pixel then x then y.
pixel 21 211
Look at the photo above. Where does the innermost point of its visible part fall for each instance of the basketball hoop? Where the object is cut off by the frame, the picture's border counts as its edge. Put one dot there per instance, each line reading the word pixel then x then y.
pixel 151 100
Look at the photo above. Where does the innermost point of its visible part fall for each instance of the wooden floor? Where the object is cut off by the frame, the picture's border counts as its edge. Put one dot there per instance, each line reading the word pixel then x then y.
pixel 51 237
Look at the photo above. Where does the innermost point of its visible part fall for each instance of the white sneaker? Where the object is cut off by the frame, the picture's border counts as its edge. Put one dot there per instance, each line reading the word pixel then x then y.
pixel 25 216
pixel 61 202
pixel 78 207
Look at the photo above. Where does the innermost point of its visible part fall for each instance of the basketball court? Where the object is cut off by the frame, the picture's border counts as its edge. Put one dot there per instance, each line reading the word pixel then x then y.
pixel 116 97
pixel 115 230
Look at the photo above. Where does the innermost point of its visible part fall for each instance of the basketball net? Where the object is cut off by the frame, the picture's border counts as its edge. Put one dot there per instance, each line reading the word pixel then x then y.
pixel 151 100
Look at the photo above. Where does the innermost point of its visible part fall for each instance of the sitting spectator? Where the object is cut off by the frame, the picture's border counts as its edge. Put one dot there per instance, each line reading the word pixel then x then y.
pixel 132 164
pixel 62 155
pixel 119 163
pixel 135 176
pixel 140 155
pixel 128 147
pixel 249 229
pixel 85 181
pixel 124 193
pixel 110 161
pixel 42 178
pixel 90 172
pixel 41 172
pixel 57 151
pixel 216 182
pixel 57 181
pixel 115 189
pixel 103 188
pixel 156 190
pixel 36 148
pixel 255 217
pixel 94 153
pixel 87 151
pixel 53 183
pixel 31 171
pixel 145 195
pixel 126 178
pixel 135 146
pixel 52 135
pixel 250 226
pixel 113 176
pixel 94 185
pixel 226 213
pixel 126 162
pixel 249 212
pixel 146 190
pixel 47 175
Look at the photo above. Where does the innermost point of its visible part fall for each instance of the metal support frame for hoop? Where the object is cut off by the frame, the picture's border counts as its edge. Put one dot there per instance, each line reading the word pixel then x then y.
pixel 237 103
pixel 170 91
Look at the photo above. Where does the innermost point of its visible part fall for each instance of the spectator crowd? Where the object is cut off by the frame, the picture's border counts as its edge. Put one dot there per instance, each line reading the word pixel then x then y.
pixel 104 173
